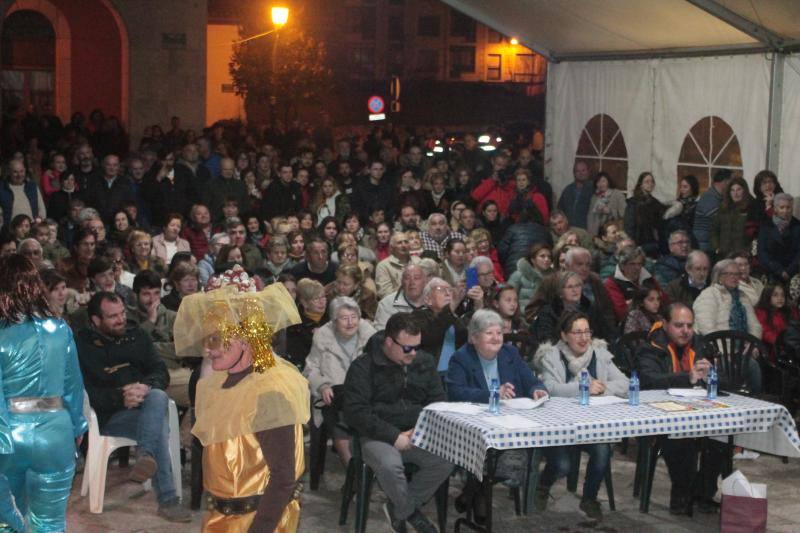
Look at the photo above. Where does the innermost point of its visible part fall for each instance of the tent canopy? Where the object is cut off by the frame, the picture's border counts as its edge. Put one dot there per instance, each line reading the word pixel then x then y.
pixel 565 30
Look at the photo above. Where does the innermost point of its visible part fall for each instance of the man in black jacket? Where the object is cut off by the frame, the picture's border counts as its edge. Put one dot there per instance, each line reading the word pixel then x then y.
pixel 384 393
pixel 671 358
pixel 125 379
pixel 109 192
pixel 283 196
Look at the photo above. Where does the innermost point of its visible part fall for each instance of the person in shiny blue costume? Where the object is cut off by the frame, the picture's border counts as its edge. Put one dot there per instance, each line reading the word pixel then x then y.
pixel 41 399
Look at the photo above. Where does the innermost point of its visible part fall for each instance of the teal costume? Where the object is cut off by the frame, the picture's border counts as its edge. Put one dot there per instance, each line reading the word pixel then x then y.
pixel 41 415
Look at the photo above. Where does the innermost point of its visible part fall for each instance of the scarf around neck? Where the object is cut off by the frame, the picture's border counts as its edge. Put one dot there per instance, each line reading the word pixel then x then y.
pixel 576 363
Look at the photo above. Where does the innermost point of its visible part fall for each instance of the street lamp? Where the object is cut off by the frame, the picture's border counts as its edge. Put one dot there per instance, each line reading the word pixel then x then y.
pixel 514 40
pixel 280 15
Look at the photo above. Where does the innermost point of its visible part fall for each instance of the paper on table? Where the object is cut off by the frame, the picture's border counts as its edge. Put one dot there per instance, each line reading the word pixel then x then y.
pixel 524 403
pixel 457 407
pixel 510 421
pixel 606 400
pixel 688 393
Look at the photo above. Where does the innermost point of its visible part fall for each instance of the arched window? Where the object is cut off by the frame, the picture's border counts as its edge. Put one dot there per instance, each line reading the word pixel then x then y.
pixel 28 61
pixel 602 147
pixel 709 146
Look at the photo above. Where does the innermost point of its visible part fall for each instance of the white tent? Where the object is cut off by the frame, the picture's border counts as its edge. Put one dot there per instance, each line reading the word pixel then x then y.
pixel 700 83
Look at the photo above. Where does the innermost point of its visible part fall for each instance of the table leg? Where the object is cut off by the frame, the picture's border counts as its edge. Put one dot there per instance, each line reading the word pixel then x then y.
pixel 532 479
pixel 646 474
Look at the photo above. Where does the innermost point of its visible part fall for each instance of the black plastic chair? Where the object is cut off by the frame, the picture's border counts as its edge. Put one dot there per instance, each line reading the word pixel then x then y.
pixel 317 453
pixel 358 483
pixel 626 349
pixel 730 352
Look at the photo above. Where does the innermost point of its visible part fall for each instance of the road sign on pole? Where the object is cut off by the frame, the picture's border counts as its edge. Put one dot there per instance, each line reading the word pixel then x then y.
pixel 375 104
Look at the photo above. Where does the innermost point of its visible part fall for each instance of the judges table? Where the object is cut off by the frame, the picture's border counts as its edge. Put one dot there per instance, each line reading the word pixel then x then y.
pixel 467 434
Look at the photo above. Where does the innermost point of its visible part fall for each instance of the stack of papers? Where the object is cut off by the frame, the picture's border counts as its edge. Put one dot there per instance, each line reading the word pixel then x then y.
pixel 510 421
pixel 688 393
pixel 606 400
pixel 457 407
pixel 524 403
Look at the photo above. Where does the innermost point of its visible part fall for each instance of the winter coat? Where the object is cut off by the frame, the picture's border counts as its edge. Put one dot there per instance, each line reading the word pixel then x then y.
pixel 712 311
pixel 668 267
pixel 654 361
pixel 732 230
pixel 160 248
pixel 615 200
pixel 382 398
pixel 518 240
pixel 575 203
pixel 779 252
pixel 705 209
pixel 299 338
pixel 108 364
pixel 620 290
pixel 525 280
pixel 434 329
pixel 679 290
pixel 491 189
pixel 550 365
pixel 466 381
pixel 327 363
pixel 643 222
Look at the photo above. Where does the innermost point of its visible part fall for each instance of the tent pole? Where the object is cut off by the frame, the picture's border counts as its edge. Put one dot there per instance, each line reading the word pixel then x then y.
pixel 775 112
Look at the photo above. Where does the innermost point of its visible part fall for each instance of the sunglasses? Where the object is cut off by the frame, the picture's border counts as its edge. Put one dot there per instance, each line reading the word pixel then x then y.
pixel 406 348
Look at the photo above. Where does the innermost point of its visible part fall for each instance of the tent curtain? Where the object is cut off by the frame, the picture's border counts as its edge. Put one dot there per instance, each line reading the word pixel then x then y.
pixel 656 103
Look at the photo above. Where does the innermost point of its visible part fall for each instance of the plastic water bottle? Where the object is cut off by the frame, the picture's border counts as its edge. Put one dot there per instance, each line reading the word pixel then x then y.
pixel 713 383
pixel 584 387
pixel 633 389
pixel 494 397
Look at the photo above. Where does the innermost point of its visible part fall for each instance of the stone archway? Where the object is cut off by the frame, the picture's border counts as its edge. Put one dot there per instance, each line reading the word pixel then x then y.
pixel 62 100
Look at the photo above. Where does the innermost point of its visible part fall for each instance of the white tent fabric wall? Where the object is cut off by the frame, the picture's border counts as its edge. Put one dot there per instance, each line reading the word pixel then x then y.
pixel 655 103
pixel 790 129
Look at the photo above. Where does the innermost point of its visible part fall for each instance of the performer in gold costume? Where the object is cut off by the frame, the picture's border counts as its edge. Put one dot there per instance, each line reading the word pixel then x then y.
pixel 250 411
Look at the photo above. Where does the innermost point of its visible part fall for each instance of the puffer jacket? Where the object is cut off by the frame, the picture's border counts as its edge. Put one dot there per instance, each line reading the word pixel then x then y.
pixel 712 311
pixel 551 367
pixel 327 363
pixel 382 398
pixel 518 240
pixel 525 280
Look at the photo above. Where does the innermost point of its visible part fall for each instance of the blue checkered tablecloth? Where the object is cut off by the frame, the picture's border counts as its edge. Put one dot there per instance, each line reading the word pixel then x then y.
pixel 464 439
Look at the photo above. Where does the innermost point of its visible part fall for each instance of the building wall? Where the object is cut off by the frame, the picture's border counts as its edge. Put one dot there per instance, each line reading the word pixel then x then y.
pixel 221 101
pixel 167 62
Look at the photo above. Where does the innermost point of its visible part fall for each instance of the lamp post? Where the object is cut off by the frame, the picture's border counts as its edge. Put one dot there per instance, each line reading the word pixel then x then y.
pixel 279 16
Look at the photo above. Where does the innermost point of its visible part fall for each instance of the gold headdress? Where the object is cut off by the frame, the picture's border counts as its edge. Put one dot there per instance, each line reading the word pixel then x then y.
pixel 234 309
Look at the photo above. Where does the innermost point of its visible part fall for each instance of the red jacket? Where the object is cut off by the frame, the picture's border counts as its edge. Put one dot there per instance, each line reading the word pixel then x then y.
pixel 198 242
pixel 771 329
pixel 499 275
pixel 491 189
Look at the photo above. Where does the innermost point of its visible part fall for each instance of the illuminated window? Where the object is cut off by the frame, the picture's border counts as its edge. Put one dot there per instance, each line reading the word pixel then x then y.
pixel 602 147
pixel 494 67
pixel 710 145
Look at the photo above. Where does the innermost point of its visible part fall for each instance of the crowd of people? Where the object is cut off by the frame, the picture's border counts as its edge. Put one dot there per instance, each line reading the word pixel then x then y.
pixel 417 279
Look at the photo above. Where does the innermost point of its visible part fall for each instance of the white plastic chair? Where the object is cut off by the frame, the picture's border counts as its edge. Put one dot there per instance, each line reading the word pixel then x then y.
pixel 101 447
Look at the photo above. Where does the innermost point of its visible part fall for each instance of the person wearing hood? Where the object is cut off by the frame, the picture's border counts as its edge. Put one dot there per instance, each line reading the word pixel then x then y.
pixel 530 272
pixel 560 367
pixel 629 276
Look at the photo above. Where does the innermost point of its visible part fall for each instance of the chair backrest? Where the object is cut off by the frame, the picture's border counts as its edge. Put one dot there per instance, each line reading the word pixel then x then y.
pixel 90 416
pixel 626 351
pixel 730 352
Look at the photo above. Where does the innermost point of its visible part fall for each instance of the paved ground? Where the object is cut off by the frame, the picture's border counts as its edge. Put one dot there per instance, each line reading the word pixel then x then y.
pixel 128 510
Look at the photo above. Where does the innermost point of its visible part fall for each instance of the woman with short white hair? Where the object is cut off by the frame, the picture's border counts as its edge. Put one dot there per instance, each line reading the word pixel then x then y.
pixel 473 368
pixel 333 347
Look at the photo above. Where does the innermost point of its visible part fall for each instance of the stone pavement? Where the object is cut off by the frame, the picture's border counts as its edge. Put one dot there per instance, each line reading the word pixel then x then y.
pixel 127 510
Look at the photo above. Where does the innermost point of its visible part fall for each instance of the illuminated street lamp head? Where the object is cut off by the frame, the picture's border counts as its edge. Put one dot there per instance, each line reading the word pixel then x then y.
pixel 280 15
pixel 514 41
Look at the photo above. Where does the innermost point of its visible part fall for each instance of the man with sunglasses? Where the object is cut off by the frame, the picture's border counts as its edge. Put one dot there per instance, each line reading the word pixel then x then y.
pixel 384 392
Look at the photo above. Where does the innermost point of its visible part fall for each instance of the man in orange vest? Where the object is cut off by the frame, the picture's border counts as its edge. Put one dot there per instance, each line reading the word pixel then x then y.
pixel 670 358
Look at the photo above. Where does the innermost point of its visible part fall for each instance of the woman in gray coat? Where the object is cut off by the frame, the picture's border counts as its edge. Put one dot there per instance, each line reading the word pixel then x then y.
pixel 334 346
pixel 560 367
pixel 606 204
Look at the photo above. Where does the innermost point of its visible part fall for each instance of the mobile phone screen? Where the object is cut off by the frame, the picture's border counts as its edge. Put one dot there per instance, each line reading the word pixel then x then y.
pixel 472 277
